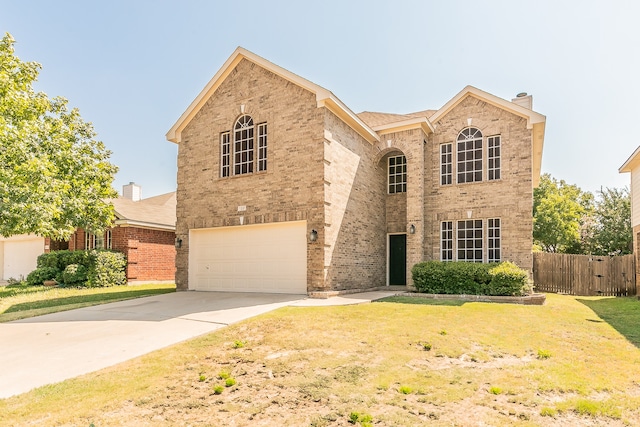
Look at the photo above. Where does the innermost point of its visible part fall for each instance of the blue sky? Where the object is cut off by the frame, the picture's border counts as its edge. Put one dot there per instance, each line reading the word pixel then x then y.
pixel 132 67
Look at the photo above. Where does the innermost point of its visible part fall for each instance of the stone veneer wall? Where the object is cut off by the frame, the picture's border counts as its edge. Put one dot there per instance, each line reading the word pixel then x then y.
pixel 510 198
pixel 291 188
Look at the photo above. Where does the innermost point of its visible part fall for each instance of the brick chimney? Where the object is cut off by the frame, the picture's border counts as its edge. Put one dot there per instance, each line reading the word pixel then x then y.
pixel 523 100
pixel 132 191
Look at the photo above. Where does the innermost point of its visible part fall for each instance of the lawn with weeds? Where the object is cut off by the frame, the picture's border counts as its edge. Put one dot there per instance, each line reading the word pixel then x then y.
pixel 367 365
pixel 22 301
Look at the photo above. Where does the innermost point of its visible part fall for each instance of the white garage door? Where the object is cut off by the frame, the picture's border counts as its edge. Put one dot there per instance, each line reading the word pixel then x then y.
pixel 252 258
pixel 20 257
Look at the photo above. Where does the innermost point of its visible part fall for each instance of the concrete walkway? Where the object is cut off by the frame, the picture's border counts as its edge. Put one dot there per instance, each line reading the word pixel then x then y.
pixel 48 349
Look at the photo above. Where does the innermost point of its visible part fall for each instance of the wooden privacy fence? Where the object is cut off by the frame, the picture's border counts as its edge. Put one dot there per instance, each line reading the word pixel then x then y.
pixel 584 274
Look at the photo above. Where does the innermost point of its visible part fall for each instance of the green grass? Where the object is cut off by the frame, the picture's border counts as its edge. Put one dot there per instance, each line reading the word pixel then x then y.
pixel 621 313
pixel 311 365
pixel 22 301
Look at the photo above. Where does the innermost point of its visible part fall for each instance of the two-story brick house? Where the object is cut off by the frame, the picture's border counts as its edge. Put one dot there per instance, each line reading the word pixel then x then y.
pixel 282 188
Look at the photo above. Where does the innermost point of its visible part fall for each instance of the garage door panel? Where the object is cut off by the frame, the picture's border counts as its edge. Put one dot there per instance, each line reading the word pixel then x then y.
pixel 257 258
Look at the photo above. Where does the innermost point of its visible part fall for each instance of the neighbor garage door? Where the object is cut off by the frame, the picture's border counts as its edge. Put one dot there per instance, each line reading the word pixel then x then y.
pixel 20 256
pixel 252 258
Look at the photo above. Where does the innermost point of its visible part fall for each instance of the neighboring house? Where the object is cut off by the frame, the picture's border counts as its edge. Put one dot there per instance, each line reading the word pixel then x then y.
pixel 632 166
pixel 282 188
pixel 18 255
pixel 144 230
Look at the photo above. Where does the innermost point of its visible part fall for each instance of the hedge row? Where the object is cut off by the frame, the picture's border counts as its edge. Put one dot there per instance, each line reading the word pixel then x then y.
pixel 96 268
pixel 468 278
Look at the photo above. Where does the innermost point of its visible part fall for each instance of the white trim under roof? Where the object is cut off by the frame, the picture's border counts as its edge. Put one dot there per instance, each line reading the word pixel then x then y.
pixel 143 224
pixel 421 122
pixel 324 97
pixel 631 162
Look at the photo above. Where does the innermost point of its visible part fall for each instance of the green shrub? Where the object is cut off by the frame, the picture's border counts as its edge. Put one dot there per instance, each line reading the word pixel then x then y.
pixel 509 279
pixel 106 268
pixel 61 259
pixel 100 268
pixel 467 278
pixel 74 275
pixel 40 274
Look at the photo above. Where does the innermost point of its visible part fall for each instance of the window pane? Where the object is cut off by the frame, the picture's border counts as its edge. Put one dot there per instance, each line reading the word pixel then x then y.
pixel 397 174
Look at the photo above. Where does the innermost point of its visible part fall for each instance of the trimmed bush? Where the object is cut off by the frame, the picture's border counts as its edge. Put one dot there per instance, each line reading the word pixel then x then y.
pixel 96 268
pixel 106 268
pixel 40 274
pixel 74 275
pixel 509 279
pixel 61 259
pixel 467 278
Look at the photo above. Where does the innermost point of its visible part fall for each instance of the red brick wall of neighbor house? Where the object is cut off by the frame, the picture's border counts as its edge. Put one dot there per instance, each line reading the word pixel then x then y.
pixel 150 254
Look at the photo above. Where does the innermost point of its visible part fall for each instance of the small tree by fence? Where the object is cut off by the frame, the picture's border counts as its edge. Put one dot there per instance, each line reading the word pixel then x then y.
pixel 584 275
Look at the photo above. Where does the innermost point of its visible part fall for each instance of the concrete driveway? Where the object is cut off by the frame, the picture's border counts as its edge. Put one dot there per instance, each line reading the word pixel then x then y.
pixel 48 349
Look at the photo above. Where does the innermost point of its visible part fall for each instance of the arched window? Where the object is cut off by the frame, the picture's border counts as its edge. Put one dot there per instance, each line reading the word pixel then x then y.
pixel 243 145
pixel 469 154
pixel 241 155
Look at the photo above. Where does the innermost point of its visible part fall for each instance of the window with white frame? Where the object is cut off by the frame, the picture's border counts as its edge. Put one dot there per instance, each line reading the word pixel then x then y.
pixel 99 241
pixel 470 240
pixel 108 240
pixel 493 157
pixel 225 154
pixel 243 146
pixel 244 150
pixel 262 147
pixel 446 164
pixel 446 241
pixel 397 174
pixel 493 240
pixel 469 155
pixel 89 240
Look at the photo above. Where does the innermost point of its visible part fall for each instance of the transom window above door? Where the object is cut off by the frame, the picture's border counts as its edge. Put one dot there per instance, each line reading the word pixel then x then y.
pixel 397 174
pixel 239 153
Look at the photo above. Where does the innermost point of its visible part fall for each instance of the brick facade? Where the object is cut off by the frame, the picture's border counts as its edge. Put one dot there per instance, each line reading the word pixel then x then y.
pixel 324 170
pixel 150 253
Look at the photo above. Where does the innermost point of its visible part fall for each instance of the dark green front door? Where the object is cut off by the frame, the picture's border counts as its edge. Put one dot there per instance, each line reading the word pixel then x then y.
pixel 397 259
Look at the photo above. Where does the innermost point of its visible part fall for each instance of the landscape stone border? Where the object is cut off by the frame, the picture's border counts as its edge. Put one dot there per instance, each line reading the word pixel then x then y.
pixel 533 299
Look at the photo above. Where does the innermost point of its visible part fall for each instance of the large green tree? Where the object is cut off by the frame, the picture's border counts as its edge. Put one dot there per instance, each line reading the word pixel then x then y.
pixel 559 210
pixel 54 175
pixel 609 230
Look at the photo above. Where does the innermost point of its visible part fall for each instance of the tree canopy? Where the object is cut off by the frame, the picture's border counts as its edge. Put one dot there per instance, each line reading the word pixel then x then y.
pixel 559 210
pixel 569 220
pixel 609 232
pixel 54 175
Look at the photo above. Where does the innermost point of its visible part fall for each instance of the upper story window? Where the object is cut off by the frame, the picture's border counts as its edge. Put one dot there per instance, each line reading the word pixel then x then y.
pixel 397 174
pixel 469 155
pixel 446 164
pixel 493 157
pixel 242 155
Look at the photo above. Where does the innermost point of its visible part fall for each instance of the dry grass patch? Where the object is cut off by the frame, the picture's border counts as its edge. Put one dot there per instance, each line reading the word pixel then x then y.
pixel 367 365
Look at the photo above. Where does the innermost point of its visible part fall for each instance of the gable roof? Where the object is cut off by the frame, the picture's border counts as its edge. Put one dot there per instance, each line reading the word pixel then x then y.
pixel 154 212
pixel 632 162
pixel 535 121
pixel 386 122
pixel 324 97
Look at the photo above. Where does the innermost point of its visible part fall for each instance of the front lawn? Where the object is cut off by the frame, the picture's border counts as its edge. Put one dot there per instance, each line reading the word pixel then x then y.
pixel 22 301
pixel 379 364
